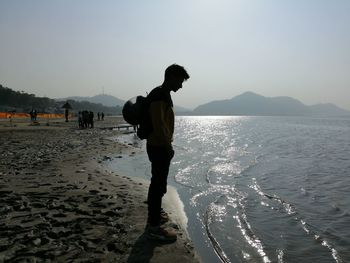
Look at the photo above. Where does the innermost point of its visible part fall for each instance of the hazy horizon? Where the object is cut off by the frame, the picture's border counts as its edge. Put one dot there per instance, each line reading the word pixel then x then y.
pixel 67 48
pixel 194 106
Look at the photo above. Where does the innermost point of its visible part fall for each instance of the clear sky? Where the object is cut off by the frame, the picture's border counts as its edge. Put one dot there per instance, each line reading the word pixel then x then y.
pixel 297 48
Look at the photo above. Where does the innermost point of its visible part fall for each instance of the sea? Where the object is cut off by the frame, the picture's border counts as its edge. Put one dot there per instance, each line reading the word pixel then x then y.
pixel 260 189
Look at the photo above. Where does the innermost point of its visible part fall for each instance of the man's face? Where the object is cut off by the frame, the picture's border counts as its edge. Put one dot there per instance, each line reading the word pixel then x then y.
pixel 176 83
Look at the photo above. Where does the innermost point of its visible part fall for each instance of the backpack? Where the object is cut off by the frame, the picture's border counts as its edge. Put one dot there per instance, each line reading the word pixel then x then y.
pixel 136 112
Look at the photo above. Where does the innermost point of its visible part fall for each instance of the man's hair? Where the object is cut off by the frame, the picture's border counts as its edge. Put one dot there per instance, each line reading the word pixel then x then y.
pixel 176 71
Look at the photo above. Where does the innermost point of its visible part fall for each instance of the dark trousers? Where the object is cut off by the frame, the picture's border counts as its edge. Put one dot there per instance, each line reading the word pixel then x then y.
pixel 160 160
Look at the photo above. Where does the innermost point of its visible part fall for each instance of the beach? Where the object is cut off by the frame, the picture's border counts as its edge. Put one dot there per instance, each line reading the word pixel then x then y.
pixel 60 203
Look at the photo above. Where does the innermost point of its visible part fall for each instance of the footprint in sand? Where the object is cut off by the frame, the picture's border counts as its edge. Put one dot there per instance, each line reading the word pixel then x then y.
pixel 94 192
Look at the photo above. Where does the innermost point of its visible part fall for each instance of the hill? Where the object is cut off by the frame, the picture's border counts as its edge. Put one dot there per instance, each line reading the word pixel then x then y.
pixel 250 103
pixel 20 101
pixel 85 105
pixel 11 100
pixel 106 100
pixel 111 101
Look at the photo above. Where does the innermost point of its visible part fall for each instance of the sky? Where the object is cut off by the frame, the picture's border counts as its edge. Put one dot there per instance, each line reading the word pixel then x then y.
pixel 64 48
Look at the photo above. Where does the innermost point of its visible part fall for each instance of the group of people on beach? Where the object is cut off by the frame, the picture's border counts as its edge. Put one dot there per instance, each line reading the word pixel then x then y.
pixel 86 119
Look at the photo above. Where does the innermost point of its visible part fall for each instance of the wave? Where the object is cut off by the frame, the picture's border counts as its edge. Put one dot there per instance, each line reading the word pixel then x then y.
pixel 291 210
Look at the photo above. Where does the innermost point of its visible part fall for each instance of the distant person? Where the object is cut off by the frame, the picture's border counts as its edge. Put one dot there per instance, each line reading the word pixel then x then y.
pixel 85 115
pixel 66 114
pixel 31 113
pixel 80 119
pixel 98 116
pixel 102 115
pixel 35 114
pixel 91 119
pixel 160 150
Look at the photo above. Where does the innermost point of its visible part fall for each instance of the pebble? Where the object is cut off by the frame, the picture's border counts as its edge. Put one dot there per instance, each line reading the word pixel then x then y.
pixel 37 241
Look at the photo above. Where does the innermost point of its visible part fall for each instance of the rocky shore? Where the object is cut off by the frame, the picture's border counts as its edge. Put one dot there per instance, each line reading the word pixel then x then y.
pixel 59 203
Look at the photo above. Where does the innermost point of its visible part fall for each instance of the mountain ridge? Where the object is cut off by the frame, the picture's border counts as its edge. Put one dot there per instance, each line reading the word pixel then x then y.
pixel 247 103
pixel 104 99
pixel 250 103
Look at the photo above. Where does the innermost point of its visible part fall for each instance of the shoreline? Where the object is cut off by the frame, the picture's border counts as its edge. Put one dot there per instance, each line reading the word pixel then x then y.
pixel 60 202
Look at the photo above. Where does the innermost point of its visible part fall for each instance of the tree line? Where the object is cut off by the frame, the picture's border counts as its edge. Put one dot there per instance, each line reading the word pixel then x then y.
pixel 20 101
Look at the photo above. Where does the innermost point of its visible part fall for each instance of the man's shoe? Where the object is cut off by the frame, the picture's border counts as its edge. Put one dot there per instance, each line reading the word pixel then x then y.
pixel 161 234
pixel 164 217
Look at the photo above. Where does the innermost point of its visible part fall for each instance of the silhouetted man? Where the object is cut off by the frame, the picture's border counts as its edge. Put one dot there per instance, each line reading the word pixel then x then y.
pixel 160 150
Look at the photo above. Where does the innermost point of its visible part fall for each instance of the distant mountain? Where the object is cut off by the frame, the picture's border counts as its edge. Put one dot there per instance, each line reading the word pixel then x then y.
pixel 328 109
pixel 106 100
pixel 95 107
pixel 250 103
pixel 179 109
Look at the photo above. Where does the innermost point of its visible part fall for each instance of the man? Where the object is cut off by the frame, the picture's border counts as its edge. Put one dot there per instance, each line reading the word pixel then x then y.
pixel 160 150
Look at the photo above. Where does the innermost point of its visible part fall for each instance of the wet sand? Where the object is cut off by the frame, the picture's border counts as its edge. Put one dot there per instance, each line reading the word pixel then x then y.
pixel 59 203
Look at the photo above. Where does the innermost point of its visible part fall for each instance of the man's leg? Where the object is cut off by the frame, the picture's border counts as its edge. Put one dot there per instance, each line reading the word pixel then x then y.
pixel 160 160
pixel 160 168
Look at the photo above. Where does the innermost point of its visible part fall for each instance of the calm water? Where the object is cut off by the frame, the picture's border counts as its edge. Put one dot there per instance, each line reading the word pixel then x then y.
pixel 261 189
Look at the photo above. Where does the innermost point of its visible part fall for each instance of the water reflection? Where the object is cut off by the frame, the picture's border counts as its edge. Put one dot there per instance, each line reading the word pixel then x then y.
pixel 224 162
pixel 256 192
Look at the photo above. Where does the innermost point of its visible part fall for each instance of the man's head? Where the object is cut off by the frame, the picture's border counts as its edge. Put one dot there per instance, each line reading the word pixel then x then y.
pixel 174 76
